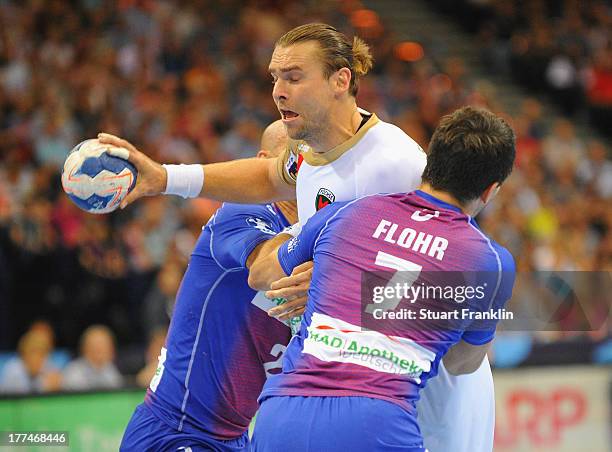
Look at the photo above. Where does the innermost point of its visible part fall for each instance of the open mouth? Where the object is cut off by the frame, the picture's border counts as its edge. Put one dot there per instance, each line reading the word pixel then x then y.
pixel 288 115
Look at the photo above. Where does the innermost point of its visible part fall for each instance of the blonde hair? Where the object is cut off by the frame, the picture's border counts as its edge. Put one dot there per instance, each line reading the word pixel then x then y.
pixel 337 50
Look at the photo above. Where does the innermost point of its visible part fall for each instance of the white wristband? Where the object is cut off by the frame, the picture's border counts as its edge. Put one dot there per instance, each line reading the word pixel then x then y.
pixel 184 180
pixel 293 230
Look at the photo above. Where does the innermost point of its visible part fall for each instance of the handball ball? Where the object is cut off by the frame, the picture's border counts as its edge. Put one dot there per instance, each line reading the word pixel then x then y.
pixel 94 180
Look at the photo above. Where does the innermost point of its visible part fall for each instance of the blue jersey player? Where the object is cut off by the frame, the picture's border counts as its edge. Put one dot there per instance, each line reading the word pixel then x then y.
pixel 221 344
pixel 349 387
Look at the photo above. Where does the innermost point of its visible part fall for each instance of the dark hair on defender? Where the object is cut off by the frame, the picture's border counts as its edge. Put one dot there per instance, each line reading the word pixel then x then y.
pixel 470 149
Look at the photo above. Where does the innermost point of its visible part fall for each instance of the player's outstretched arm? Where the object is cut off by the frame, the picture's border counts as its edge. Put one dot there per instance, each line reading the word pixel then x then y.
pixel 243 181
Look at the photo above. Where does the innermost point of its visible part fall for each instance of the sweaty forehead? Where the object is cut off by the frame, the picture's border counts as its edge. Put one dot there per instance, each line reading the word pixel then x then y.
pixel 302 55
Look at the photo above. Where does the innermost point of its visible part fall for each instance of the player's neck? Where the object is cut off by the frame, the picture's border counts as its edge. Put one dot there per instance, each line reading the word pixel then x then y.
pixel 344 123
pixel 288 209
pixel 442 196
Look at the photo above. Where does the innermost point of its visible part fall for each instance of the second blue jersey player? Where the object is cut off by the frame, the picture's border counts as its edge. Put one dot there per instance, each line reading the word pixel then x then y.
pixel 221 344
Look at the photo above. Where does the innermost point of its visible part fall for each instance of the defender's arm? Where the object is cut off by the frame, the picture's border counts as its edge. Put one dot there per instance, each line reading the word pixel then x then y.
pixel 463 358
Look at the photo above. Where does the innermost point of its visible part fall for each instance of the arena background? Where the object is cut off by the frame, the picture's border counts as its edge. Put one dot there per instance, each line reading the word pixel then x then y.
pixel 187 82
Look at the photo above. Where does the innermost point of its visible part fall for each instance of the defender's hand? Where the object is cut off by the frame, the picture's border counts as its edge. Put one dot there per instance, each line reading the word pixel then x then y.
pixel 152 177
pixel 294 288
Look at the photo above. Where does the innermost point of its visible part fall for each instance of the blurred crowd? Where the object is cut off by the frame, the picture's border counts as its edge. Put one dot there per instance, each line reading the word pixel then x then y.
pixel 39 367
pixel 556 210
pixel 171 78
pixel 559 47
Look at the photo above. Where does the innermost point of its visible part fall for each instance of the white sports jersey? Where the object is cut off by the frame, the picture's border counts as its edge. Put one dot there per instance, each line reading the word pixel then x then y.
pixel 381 158
pixel 457 413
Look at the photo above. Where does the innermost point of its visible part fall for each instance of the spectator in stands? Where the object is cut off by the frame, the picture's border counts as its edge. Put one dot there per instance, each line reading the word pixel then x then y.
pixel 158 340
pixel 596 172
pixel 31 372
pixel 45 329
pixel 159 301
pixel 95 368
pixel 599 89
pixel 562 146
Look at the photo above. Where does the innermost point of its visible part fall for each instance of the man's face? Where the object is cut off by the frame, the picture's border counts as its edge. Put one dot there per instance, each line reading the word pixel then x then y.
pixel 34 360
pixel 98 349
pixel 301 92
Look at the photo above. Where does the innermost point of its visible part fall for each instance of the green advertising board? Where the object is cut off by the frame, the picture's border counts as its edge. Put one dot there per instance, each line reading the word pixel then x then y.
pixel 94 421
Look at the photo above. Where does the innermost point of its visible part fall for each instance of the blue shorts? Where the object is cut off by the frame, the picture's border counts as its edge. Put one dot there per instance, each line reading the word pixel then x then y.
pixel 343 424
pixel 145 432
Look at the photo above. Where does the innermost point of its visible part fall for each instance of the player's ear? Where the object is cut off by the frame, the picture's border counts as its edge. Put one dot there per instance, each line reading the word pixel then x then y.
pixel 263 154
pixel 490 192
pixel 342 79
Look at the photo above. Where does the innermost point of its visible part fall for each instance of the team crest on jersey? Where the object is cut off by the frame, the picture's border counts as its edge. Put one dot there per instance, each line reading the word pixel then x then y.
pixel 292 165
pixel 293 243
pixel 324 197
pixel 258 223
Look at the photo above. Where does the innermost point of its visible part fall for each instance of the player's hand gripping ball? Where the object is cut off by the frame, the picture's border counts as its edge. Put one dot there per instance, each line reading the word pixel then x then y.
pixel 96 181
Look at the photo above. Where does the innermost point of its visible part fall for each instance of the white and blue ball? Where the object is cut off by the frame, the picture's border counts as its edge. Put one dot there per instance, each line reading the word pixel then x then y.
pixel 96 181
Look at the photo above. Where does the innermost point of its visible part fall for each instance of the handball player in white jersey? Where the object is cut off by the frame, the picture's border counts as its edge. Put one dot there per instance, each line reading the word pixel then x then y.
pixel 337 152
